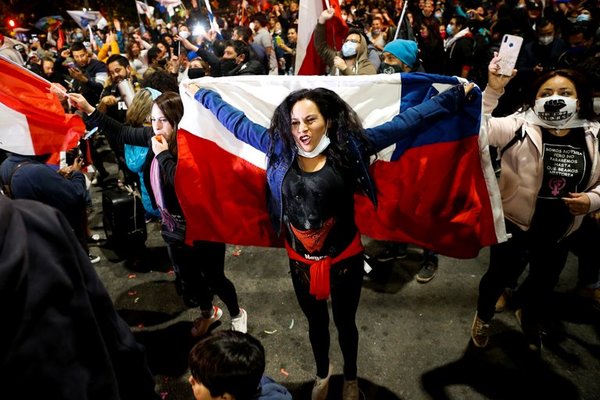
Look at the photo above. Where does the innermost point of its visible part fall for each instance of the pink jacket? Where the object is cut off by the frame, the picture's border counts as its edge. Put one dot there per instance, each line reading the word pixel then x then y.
pixel 522 169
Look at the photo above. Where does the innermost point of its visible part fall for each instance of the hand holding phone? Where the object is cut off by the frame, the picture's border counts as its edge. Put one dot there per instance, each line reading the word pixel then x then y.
pixel 509 52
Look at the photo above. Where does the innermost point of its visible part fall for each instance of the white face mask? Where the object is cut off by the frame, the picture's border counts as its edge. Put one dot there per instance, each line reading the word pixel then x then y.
pixel 555 110
pixel 317 150
pixel 597 105
pixel 184 34
pixel 546 40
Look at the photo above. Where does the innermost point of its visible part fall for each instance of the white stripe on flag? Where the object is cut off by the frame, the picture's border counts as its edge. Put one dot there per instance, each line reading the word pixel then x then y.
pixel 375 98
pixel 308 15
pixel 14 130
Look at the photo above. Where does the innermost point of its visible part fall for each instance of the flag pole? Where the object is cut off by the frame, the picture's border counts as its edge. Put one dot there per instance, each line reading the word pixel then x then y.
pixel 401 19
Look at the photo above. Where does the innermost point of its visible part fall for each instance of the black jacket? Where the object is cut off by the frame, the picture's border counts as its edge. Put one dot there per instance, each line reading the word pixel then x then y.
pixel 61 337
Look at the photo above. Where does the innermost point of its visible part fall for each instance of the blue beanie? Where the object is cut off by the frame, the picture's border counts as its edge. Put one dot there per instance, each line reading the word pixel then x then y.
pixel 404 50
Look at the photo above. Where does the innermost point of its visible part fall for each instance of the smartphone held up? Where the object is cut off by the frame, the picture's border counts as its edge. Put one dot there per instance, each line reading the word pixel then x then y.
pixel 509 52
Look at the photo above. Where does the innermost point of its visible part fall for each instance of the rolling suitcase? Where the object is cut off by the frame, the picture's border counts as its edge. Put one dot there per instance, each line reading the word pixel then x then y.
pixel 123 218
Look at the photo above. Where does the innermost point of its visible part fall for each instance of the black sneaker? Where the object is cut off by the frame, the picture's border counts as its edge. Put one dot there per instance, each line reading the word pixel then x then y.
pixel 393 251
pixel 427 272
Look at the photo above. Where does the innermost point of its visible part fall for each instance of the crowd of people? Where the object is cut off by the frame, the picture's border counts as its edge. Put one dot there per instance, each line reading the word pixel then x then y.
pixel 125 80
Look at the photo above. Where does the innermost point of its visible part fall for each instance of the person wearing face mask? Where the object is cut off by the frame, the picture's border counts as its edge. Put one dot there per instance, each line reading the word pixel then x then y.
pixel 376 34
pixel 317 158
pixel 353 59
pixel 550 180
pixel 459 48
pixel 431 46
pixel 400 56
pixel 541 54
pixel 199 267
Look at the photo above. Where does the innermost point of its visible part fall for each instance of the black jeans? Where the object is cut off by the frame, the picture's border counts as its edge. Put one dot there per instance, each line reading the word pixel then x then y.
pixel 200 274
pixel 546 262
pixel 346 284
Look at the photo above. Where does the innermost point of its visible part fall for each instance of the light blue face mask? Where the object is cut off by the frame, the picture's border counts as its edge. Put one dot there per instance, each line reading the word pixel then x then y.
pixel 349 49
pixel 450 30
pixel 582 18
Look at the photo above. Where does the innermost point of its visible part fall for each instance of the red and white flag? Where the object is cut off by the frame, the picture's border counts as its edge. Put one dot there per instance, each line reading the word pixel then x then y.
pixel 32 120
pixel 308 61
pixel 435 187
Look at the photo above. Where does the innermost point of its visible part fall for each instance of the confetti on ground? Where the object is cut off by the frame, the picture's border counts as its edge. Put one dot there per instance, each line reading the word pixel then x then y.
pixel 136 300
pixel 132 276
pixel 236 252
pixel 292 324
pixel 271 332
pixel 284 372
pixel 132 293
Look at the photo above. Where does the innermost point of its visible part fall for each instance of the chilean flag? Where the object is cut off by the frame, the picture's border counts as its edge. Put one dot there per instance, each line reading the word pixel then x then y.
pixel 308 61
pixel 32 120
pixel 436 188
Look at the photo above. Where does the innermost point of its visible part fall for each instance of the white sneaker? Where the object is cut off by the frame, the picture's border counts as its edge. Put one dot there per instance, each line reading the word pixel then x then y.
pixel 202 324
pixel 321 387
pixel 240 323
pixel 93 259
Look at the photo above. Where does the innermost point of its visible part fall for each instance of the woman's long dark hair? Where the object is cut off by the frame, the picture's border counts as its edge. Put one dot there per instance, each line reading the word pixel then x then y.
pixel 343 124
pixel 171 106
pixel 581 83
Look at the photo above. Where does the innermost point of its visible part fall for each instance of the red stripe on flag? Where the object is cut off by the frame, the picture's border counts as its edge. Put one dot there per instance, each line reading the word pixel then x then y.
pixel 223 196
pixel 51 130
pixel 434 196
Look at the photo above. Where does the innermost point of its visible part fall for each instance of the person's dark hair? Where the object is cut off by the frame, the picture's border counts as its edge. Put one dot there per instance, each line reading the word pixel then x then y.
pixel 542 23
pixel 171 106
pixel 261 18
pixel 342 122
pixel 228 362
pixel 580 27
pixel 77 46
pixel 122 60
pixel 240 48
pixel 460 20
pixel 361 33
pixel 582 86
pixel 161 80
pixel 153 53
pixel 244 32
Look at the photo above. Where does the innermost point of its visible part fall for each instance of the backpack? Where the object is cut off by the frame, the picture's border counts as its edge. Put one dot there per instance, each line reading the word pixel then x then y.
pixel 6 186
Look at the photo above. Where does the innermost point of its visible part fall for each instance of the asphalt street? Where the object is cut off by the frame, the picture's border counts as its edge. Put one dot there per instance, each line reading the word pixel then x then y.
pixel 414 338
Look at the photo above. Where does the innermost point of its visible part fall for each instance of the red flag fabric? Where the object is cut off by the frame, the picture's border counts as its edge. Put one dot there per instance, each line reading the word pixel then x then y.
pixel 308 61
pixel 32 120
pixel 436 188
pixel 60 42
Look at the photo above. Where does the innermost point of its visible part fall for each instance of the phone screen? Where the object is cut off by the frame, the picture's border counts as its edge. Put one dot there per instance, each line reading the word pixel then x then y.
pixel 509 52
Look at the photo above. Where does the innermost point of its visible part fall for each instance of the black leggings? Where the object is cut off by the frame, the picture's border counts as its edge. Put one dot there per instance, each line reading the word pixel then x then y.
pixel 507 262
pixel 200 274
pixel 346 284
